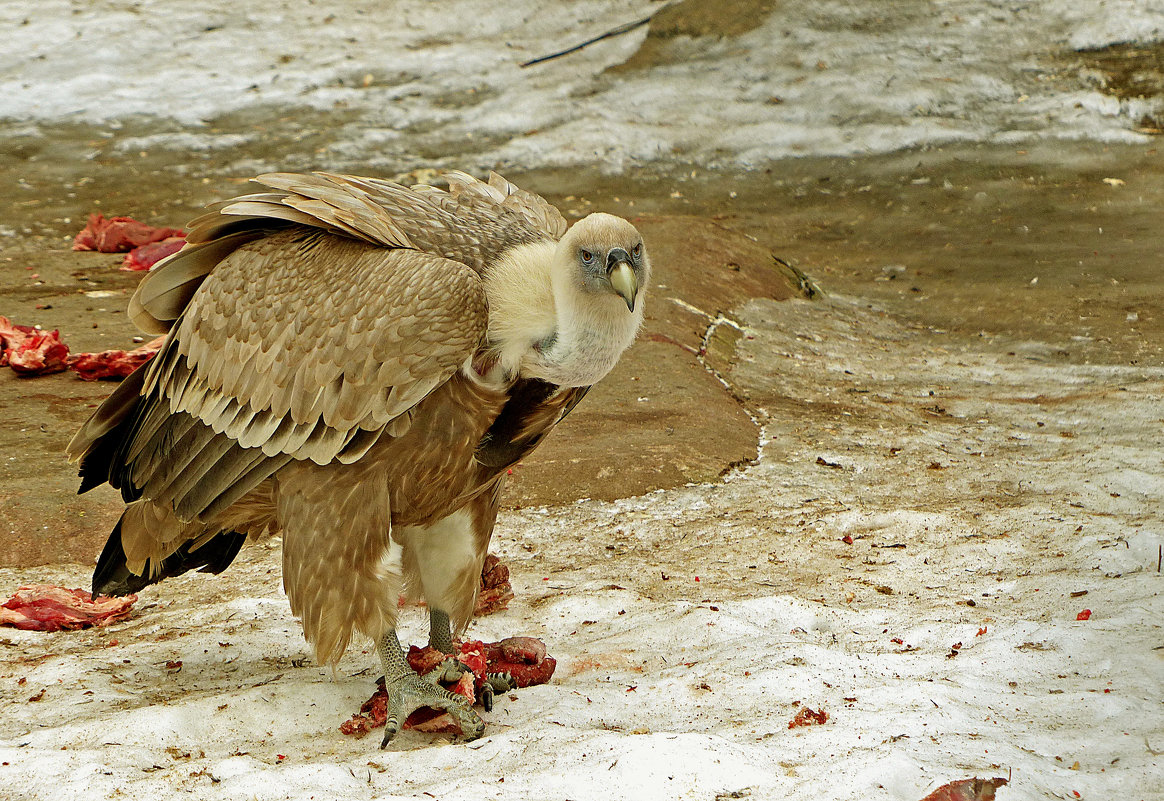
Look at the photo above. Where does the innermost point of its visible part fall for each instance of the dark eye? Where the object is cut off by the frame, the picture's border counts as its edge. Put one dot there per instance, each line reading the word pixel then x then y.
pixel 587 256
pixel 638 251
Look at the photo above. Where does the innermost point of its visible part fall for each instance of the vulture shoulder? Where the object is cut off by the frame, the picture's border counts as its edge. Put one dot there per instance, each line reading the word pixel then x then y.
pixel 473 223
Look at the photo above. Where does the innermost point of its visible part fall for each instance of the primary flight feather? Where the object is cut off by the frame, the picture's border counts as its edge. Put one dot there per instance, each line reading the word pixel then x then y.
pixel 355 364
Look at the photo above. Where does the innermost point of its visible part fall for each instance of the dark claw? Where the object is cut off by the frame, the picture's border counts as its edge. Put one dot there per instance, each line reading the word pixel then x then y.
pixel 500 682
pixel 390 729
pixel 487 697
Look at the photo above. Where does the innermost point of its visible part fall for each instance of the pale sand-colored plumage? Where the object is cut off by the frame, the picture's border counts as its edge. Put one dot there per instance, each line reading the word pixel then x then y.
pixel 355 364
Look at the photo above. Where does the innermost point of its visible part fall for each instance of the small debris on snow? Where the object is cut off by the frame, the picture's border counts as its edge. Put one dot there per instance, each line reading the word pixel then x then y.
pixel 807 717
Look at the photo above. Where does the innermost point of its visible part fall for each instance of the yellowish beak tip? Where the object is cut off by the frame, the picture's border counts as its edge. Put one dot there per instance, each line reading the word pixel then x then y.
pixel 624 282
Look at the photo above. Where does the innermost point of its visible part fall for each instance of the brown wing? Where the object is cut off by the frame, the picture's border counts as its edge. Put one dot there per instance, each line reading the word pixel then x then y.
pixel 298 345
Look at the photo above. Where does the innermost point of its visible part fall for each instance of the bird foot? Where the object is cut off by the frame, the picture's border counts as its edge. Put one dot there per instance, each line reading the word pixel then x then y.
pixel 496 683
pixel 411 692
pixel 451 670
pixel 501 682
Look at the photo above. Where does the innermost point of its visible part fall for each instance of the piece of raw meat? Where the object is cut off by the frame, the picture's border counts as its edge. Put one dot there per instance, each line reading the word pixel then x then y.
pixel 113 363
pixel 496 591
pixel 523 658
pixel 146 256
pixel 30 351
pixel 119 234
pixel 45 607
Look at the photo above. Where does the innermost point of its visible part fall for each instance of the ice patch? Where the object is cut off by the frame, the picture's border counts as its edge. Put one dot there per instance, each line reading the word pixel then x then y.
pixel 406 83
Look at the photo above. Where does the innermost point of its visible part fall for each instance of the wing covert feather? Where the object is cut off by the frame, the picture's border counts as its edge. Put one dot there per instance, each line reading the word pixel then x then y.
pixel 299 340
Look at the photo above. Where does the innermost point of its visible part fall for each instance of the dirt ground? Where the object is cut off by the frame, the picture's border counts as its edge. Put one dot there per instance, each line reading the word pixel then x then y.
pixel 1060 244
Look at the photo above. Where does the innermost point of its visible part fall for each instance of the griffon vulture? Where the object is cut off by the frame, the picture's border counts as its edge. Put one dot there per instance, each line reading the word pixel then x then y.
pixel 354 363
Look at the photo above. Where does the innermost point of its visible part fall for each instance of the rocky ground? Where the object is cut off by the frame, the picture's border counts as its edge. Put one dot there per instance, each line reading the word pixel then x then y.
pixel 949 472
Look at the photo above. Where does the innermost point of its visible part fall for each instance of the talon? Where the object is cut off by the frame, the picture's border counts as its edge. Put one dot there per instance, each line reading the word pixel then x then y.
pixel 390 728
pixel 487 696
pixel 501 682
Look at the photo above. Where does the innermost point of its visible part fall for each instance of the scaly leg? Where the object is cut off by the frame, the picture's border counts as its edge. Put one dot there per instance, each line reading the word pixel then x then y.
pixel 408 692
pixel 440 631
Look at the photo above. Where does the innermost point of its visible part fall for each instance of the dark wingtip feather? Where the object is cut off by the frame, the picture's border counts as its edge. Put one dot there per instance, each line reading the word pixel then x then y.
pixel 103 438
pixel 113 577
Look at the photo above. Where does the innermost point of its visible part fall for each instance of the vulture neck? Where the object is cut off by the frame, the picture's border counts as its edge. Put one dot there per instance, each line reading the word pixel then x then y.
pixel 543 324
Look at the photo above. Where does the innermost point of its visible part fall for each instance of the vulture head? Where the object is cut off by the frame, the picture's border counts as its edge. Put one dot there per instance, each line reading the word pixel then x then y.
pixel 606 256
pixel 599 273
pixel 568 324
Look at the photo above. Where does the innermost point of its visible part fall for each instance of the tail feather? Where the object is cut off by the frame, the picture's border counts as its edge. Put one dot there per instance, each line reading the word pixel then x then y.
pixel 112 575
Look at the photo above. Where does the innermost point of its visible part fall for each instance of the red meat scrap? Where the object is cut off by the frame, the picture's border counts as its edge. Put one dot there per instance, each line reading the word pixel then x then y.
pixel 967 790
pixel 44 607
pixel 30 351
pixel 113 363
pixel 372 715
pixel 523 658
pixel 119 234
pixel 496 591
pixel 806 717
pixel 146 256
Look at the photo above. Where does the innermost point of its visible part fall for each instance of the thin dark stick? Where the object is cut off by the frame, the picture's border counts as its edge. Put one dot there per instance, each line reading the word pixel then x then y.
pixel 621 29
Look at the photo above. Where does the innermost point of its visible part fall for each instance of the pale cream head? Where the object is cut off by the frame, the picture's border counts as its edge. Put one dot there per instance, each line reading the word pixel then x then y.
pixel 565 311
pixel 607 256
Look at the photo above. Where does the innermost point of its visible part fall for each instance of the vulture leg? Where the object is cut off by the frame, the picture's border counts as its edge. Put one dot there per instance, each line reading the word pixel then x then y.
pixel 445 559
pixel 408 692
pixel 440 632
pixel 341 570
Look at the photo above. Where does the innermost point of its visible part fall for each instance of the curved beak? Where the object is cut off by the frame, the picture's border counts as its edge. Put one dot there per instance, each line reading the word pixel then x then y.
pixel 623 281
